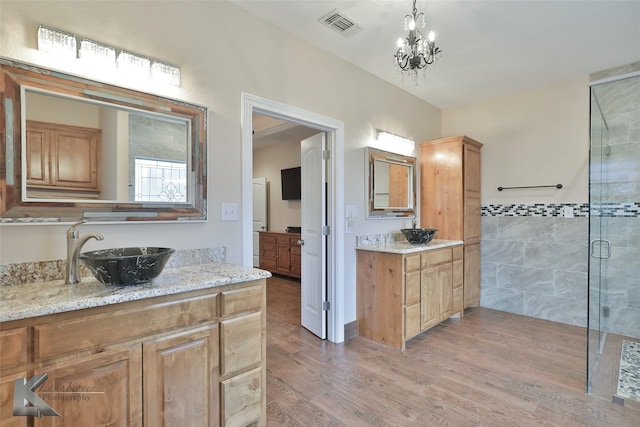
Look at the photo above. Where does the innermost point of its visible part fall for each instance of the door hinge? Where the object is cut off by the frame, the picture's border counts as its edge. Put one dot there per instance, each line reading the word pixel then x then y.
pixel 326 305
pixel 326 230
pixel 326 154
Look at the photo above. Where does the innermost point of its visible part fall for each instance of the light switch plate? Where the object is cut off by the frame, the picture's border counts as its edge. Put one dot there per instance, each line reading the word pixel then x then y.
pixel 351 211
pixel 229 212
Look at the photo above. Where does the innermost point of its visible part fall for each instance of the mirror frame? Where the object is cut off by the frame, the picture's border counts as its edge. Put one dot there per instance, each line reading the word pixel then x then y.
pixel 373 154
pixel 13 209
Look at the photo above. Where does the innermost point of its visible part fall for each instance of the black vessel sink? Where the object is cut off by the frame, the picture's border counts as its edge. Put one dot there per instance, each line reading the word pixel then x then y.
pixel 126 266
pixel 420 236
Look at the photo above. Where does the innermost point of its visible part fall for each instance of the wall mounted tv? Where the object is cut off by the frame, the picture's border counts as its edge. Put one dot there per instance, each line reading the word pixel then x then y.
pixel 290 179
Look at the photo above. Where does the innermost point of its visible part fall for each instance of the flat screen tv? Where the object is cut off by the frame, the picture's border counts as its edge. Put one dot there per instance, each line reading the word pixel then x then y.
pixel 290 179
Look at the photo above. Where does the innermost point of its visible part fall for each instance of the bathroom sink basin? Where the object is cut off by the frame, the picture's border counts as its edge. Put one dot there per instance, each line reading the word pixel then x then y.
pixel 419 235
pixel 126 266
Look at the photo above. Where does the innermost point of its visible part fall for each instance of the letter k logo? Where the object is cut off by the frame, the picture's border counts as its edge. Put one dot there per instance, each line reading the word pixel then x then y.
pixel 24 390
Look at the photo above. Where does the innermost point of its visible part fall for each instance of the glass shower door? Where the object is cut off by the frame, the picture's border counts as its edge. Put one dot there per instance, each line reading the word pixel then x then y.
pixel 599 249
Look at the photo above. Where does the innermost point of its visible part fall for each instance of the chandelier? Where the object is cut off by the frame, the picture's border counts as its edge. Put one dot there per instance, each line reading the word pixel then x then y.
pixel 415 52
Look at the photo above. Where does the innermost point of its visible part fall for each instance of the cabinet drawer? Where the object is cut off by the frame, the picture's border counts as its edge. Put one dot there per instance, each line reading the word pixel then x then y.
pixel 242 399
pixel 295 271
pixel 457 252
pixel 240 300
pixel 267 238
pixel 296 250
pixel 283 240
pixel 412 320
pixel 296 261
pixel 267 263
pixel 435 257
pixel 267 254
pixel 457 300
pixel 268 246
pixel 412 263
pixel 13 348
pixel 68 336
pixel 241 343
pixel 412 287
pixel 457 274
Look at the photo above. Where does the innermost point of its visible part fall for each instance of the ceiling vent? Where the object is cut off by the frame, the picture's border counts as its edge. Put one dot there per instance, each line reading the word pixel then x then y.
pixel 340 23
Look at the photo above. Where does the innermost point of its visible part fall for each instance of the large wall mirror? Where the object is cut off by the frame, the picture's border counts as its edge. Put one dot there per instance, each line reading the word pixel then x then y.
pixel 75 148
pixel 391 181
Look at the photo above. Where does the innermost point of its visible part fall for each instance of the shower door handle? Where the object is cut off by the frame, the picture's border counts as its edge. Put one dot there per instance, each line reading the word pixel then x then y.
pixel 608 248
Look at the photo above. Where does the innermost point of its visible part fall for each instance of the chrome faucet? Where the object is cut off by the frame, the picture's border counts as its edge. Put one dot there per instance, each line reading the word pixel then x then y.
pixel 74 244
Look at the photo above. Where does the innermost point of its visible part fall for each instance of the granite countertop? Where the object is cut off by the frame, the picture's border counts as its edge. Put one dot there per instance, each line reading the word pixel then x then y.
pixel 50 297
pixel 404 247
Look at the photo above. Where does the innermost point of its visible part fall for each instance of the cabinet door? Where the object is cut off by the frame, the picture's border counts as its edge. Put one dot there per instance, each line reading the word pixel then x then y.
pixel 471 275
pixel 181 378
pixel 97 390
pixel 74 159
pixel 37 156
pixel 284 258
pixel 429 297
pixel 445 281
pixel 6 401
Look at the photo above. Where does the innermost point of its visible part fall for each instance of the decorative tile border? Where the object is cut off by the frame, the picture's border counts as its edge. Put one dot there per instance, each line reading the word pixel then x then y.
pixel 618 210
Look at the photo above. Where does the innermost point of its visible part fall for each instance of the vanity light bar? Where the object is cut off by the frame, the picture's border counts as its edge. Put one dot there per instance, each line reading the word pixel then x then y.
pixel 390 138
pixel 56 42
pixel 65 45
pixel 100 55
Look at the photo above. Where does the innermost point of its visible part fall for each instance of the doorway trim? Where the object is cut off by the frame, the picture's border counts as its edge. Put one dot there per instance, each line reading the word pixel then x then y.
pixel 335 195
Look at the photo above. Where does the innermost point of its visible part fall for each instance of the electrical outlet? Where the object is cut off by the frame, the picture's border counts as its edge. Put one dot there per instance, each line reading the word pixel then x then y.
pixel 229 212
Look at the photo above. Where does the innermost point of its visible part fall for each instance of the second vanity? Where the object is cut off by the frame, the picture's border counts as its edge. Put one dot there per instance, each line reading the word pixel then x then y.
pixel 405 289
pixel 186 349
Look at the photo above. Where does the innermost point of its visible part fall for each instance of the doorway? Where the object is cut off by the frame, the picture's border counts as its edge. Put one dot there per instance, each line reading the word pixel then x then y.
pixel 334 131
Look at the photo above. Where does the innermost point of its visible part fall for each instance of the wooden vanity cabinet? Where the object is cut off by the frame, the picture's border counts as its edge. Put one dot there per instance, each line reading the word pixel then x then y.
pixel 280 253
pixel 61 157
pixel 13 366
pixel 401 295
pixel 196 358
pixel 450 200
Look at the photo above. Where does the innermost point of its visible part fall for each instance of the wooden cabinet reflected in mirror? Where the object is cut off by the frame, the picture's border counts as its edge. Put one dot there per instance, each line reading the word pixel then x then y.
pixel 390 184
pixel 79 148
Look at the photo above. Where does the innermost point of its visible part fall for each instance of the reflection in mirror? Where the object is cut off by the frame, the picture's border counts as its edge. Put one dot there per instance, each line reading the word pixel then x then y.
pixel 102 151
pixel 78 148
pixel 391 184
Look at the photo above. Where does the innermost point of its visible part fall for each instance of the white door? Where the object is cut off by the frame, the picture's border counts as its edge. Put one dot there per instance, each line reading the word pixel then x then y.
pixel 259 215
pixel 313 290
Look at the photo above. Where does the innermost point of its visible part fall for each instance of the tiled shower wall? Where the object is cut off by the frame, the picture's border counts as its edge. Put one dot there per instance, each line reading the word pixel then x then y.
pixel 534 262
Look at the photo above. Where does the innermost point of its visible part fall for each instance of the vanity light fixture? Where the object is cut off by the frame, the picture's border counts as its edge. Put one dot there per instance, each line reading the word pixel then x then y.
pixel 414 51
pixel 165 73
pixel 103 56
pixel 97 54
pixel 56 42
pixel 135 65
pixel 389 139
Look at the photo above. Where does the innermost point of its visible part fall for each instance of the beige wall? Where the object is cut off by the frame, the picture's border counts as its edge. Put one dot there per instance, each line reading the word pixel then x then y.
pixel 534 137
pixel 267 162
pixel 219 59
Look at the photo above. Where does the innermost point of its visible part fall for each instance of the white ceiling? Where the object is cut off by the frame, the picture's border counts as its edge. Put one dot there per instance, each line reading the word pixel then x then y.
pixel 490 47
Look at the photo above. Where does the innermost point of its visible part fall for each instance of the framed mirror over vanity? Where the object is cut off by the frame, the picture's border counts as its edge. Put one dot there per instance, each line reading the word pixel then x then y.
pixel 391 184
pixel 72 148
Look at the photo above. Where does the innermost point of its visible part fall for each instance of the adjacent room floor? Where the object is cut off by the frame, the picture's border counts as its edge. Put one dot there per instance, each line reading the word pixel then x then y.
pixel 488 369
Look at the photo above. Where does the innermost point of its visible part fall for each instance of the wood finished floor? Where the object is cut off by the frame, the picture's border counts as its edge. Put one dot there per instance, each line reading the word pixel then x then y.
pixel 488 369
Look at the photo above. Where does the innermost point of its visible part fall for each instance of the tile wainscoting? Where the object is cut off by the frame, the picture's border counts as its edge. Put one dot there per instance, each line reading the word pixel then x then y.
pixel 535 263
